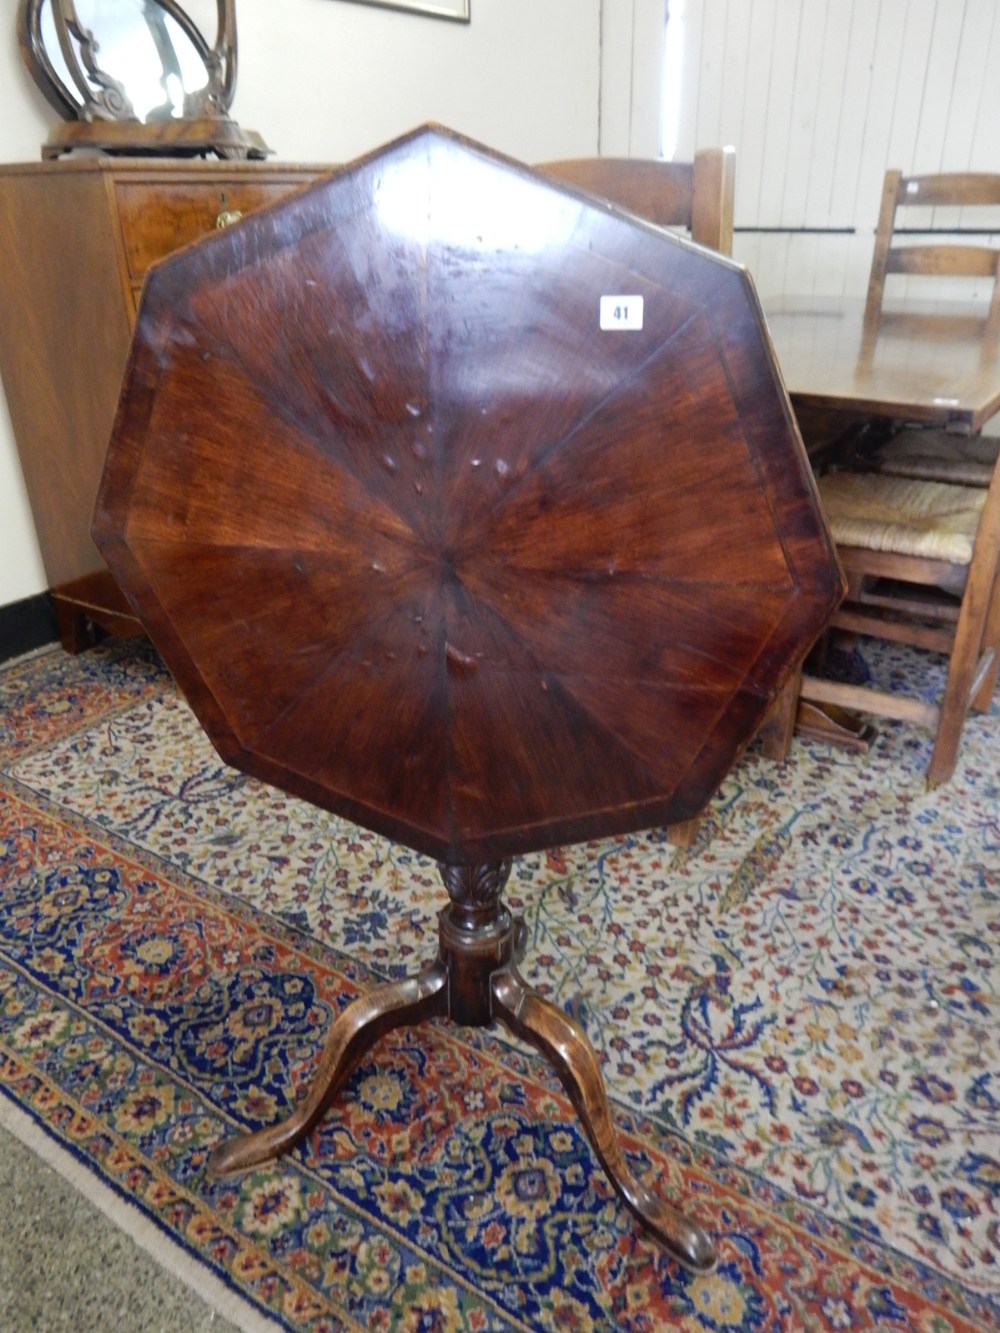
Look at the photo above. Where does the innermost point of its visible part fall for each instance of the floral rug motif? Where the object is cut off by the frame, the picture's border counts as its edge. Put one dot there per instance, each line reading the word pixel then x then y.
pixel 797 1019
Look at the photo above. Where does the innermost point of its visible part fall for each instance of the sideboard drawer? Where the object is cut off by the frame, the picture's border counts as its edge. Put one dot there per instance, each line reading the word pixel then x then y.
pixel 158 218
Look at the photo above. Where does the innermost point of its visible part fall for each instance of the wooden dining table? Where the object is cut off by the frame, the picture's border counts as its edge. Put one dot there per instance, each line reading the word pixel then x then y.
pixel 935 364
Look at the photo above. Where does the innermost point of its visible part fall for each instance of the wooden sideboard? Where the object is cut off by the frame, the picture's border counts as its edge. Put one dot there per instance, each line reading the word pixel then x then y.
pixel 76 239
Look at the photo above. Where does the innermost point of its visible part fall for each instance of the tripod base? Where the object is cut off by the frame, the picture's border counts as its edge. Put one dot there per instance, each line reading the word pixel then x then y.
pixel 474 980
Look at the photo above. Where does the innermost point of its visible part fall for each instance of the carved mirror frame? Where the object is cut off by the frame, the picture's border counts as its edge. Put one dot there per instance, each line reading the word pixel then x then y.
pixel 97 110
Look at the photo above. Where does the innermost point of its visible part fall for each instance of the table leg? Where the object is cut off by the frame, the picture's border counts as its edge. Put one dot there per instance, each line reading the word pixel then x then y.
pixel 357 1029
pixel 474 980
pixel 565 1045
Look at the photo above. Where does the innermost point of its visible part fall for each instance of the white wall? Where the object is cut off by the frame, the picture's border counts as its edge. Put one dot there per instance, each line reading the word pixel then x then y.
pixel 24 122
pixel 819 97
pixel 631 91
pixel 324 80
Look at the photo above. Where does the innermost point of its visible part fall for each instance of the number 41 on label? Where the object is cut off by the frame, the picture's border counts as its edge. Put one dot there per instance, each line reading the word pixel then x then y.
pixel 621 312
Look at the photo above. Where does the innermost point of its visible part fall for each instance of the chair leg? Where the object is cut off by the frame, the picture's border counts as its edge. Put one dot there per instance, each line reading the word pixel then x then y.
pixel 683 834
pixel 945 754
pixel 991 642
pixel 970 636
pixel 778 727
pixel 978 628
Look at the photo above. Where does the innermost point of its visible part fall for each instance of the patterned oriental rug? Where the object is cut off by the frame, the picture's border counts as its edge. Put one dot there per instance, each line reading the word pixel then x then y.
pixel 798 1018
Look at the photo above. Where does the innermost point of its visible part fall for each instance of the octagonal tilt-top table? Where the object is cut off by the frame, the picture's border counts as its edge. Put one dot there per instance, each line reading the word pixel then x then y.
pixel 472 509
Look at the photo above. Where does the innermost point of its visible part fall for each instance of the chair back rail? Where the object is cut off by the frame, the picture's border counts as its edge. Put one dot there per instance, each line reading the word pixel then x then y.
pixel 697 195
pixel 939 252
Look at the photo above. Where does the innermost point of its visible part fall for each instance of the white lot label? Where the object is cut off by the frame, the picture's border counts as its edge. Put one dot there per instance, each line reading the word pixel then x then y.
pixel 621 312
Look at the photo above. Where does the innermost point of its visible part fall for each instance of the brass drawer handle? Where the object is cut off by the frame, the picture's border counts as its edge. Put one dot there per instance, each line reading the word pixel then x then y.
pixel 228 216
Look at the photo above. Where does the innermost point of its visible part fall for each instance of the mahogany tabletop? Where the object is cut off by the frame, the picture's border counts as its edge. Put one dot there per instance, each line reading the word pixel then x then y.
pixel 934 363
pixel 464 505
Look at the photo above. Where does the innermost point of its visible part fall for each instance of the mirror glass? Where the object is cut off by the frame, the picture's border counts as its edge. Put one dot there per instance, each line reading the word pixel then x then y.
pixel 141 47
pixel 136 76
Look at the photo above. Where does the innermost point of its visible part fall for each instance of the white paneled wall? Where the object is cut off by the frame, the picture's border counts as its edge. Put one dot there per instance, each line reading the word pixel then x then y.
pixel 631 93
pixel 819 97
